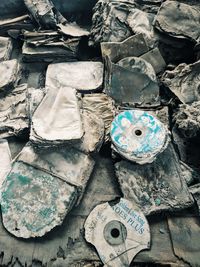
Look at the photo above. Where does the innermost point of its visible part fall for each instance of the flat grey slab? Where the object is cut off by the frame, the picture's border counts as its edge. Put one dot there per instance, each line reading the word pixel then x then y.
pixel 185 235
pixel 159 186
pixel 133 46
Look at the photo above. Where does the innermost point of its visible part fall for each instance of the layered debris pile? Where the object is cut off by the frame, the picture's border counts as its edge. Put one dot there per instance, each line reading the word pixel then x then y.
pixel 125 91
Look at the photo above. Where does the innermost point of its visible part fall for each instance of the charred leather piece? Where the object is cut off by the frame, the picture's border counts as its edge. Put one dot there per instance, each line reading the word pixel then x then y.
pixel 45 13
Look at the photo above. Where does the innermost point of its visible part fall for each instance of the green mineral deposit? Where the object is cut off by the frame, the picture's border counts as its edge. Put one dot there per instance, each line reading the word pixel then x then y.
pixel 157 202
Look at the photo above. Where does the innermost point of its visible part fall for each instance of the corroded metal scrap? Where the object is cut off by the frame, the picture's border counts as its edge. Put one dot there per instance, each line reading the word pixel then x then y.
pixel 195 190
pixel 5 162
pixel 9 71
pixel 184 82
pixel 45 13
pixel 94 131
pixel 13 112
pixel 133 46
pixel 114 21
pixel 118 231
pixel 159 186
pixel 101 105
pixel 179 20
pixel 84 76
pixel 133 80
pixel 187 119
pixel 6 47
pixel 41 189
pixel 48 46
pixel 55 127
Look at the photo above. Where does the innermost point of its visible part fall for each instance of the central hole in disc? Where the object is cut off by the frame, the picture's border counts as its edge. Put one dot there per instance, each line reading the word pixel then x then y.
pixel 115 233
pixel 138 132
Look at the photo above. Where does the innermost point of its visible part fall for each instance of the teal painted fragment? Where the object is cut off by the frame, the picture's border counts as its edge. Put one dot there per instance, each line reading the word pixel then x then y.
pixel 33 202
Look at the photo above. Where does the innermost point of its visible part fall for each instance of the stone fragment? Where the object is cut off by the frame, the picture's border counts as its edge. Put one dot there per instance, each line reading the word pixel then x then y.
pixel 138 136
pixel 84 76
pixel 184 82
pixel 159 186
pixel 132 46
pixel 62 120
pixel 102 106
pixel 133 81
pixel 13 112
pixel 41 189
pixel 9 71
pixel 6 47
pixel 185 235
pixel 118 231
pixel 5 162
pixel 187 119
pixel 195 191
pixel 155 58
pixel 179 20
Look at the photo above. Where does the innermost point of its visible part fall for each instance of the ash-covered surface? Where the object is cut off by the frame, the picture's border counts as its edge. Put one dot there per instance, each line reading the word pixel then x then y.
pixel 74 77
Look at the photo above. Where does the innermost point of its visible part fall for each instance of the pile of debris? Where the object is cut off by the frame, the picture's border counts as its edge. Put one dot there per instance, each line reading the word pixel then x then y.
pixel 100 150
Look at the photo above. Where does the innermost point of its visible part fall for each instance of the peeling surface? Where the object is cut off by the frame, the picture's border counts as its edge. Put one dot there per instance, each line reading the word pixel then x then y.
pixel 118 231
pixel 150 187
pixel 187 119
